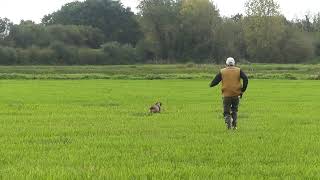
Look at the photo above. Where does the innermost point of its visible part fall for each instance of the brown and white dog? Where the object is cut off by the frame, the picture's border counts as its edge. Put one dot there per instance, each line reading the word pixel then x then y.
pixel 156 108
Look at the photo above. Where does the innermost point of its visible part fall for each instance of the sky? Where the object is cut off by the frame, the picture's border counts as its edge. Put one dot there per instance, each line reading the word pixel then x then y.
pixel 34 10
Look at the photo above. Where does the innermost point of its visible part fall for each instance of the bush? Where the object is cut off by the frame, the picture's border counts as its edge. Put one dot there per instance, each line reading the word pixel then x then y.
pixel 46 56
pixel 298 49
pixel 119 54
pixel 90 56
pixel 8 55
pixel 244 61
pixel 146 50
pixel 76 35
pixel 314 77
pixel 36 55
pixel 317 48
pixel 190 65
pixel 154 77
pixel 65 54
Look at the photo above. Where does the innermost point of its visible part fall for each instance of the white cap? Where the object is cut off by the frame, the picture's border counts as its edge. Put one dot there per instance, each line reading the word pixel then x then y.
pixel 230 62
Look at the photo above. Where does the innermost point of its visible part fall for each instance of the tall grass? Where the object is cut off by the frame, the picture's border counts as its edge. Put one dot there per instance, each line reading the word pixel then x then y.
pixel 179 71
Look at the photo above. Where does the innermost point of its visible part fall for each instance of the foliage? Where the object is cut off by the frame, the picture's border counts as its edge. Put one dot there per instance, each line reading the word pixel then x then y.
pixel 116 22
pixel 231 38
pixel 264 30
pixel 5 28
pixel 87 56
pixel 120 54
pixel 159 23
pixel 26 35
pixel 8 55
pixel 163 31
pixel 298 49
pixel 199 17
pixel 37 56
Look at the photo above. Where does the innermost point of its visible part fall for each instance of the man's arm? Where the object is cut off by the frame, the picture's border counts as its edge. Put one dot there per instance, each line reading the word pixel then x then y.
pixel 244 77
pixel 216 80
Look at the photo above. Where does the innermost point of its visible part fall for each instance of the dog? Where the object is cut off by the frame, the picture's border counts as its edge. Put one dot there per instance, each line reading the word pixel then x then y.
pixel 156 108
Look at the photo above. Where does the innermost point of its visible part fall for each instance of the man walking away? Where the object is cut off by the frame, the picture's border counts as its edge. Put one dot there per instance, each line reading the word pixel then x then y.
pixel 232 90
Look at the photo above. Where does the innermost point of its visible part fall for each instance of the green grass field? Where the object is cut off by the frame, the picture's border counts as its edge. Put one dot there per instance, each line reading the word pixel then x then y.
pixel 53 129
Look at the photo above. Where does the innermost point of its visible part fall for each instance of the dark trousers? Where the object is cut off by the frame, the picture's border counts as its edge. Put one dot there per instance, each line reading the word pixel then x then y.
pixel 230 110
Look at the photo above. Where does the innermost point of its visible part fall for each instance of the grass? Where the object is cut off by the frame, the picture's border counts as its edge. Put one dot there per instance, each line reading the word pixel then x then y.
pixel 147 72
pixel 100 129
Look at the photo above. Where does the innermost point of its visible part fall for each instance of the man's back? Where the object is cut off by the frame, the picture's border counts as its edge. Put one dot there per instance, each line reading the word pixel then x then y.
pixel 231 84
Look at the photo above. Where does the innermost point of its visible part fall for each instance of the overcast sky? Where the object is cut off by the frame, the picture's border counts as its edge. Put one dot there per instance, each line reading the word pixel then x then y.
pixel 34 10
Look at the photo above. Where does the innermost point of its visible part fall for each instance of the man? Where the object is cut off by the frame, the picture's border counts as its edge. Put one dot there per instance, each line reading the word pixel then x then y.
pixel 232 90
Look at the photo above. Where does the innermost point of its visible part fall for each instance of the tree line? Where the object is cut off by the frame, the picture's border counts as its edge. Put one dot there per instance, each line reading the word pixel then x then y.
pixel 163 31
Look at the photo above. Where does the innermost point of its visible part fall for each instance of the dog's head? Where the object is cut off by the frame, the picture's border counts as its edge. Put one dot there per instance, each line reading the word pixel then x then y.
pixel 159 104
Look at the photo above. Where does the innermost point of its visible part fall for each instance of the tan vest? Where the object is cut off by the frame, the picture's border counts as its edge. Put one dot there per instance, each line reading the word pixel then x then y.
pixel 231 83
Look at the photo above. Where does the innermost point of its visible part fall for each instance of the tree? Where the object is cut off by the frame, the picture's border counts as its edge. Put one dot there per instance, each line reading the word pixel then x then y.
pixel 159 21
pixel 81 36
pixel 298 46
pixel 28 34
pixel 231 37
pixel 8 55
pixel 316 22
pixel 65 54
pixel 5 27
pixel 181 29
pixel 264 30
pixel 200 21
pixel 262 8
pixel 116 22
pixel 116 53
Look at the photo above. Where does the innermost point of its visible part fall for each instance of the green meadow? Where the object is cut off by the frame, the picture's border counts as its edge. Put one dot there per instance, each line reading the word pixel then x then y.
pixel 101 129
